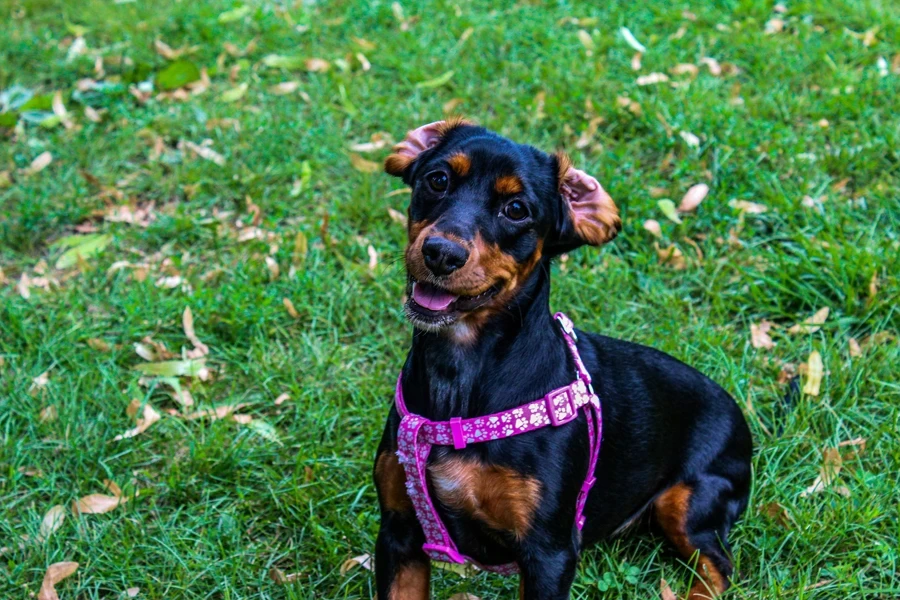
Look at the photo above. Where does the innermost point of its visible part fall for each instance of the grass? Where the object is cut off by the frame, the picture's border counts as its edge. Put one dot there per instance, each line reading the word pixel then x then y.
pixel 220 503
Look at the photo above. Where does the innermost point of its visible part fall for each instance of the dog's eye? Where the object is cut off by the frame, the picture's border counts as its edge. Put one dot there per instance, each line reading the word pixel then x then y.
pixel 515 211
pixel 438 181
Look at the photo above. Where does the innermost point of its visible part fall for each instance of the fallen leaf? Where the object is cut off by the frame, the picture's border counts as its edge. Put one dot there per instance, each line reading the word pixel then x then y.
pixel 40 381
pixel 631 40
pixel 217 412
pixel 285 87
pixel 855 350
pixel 272 266
pixel 373 257
pixel 774 26
pixel 40 163
pixel 80 247
pixel 449 106
pixel 815 370
pixel 235 93
pixel 49 414
pixel 282 398
pixel 685 69
pixel 174 368
pixel 397 216
pixel 777 513
pixel 665 591
pixel 316 65
pixel 96 504
pixel 187 323
pixel 748 207
pixel 693 197
pixel 363 560
pixel 652 225
pixel 361 164
pixel 264 430
pixel 437 81
pixel 149 418
pixel 828 472
pixel 712 64
pixel 586 40
pixel 759 335
pixel 55 573
pixel 289 306
pixel 364 44
pixel 235 14
pixel 177 75
pixel 52 521
pixel 690 139
pixel 464 596
pixel 279 576
pixel 668 209
pixel 206 153
pixel 812 324
pixel 652 78
pixel 671 256
pixel 132 592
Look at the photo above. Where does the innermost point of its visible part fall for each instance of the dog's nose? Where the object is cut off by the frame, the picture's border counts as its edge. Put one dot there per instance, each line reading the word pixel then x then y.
pixel 442 256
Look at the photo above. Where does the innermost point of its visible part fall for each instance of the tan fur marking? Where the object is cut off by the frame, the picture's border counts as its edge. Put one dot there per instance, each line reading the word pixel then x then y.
pixel 412 582
pixel 564 163
pixel 390 480
pixel 460 164
pixel 396 164
pixel 500 497
pixel 508 185
pixel 671 510
pixel 451 123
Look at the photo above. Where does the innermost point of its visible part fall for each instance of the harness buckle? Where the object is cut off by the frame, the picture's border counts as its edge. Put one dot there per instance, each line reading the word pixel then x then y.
pixel 567 325
pixel 459 438
pixel 561 406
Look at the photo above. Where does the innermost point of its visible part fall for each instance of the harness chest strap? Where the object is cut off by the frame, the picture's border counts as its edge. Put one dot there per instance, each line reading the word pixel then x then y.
pixel 417 435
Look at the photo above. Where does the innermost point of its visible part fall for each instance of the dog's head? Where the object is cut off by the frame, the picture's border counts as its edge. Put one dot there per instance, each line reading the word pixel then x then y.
pixel 484 212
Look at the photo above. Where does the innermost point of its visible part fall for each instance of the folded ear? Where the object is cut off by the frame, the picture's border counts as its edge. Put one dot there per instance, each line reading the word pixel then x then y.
pixel 417 141
pixel 592 215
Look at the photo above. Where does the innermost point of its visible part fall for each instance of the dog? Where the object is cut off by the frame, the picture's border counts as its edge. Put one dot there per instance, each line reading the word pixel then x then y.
pixel 486 218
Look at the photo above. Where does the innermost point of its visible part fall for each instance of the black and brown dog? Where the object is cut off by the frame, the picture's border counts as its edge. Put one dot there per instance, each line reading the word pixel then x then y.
pixel 486 217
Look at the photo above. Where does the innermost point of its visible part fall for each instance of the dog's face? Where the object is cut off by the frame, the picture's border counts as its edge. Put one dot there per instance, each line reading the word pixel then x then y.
pixel 484 212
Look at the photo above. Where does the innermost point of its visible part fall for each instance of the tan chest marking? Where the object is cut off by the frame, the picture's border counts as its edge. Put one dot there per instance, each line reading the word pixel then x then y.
pixel 498 496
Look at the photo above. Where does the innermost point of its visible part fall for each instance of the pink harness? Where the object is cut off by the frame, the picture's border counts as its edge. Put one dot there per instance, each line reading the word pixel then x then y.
pixel 417 435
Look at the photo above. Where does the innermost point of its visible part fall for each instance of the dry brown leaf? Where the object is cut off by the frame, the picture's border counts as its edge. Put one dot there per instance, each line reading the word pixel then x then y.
pixel 652 78
pixel 364 44
pixel 629 104
pixel 855 350
pixel 828 472
pixel 665 591
pixel 690 139
pixel 652 225
pixel 132 592
pixel 241 419
pixel 187 323
pixel 397 216
pixel 693 197
pixel 685 69
pixel 289 307
pixel 97 504
pixel 636 61
pixel 748 207
pixel 671 257
pixel 59 109
pixel 317 65
pixel 812 324
pixel 40 163
pixel 285 87
pixel 218 412
pixel 361 164
pixel 815 370
pixel 774 26
pixel 52 521
pixel 777 513
pixel 859 442
pixel 98 345
pixel 279 576
pixel 149 417
pixel 55 573
pixel 759 335
pixel 451 105
pixel 464 596
pixel 40 381
pixel 363 560
pixel 282 398
pixel 377 142
pixel 49 414
pixel 274 269
pixel 715 68
pixel 373 257
pixel 205 152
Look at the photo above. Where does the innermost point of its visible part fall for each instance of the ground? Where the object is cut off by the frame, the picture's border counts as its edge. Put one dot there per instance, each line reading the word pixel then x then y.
pixel 238 194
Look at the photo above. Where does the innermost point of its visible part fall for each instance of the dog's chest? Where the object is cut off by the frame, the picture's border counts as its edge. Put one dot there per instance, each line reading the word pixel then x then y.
pixel 500 497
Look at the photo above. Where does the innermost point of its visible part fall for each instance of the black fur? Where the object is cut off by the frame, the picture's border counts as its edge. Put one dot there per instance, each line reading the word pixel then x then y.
pixel 664 422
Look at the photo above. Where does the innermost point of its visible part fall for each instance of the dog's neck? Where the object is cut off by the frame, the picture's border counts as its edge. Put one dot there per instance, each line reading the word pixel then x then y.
pixel 514 357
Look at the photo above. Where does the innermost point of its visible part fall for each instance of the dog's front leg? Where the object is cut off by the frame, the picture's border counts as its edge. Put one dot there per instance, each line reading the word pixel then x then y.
pixel 547 574
pixel 402 569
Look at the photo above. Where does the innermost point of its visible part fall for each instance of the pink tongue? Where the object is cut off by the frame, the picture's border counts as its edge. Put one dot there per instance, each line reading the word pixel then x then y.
pixel 431 297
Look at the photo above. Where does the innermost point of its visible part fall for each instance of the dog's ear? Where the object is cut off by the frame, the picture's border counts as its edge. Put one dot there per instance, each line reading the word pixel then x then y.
pixel 417 141
pixel 589 214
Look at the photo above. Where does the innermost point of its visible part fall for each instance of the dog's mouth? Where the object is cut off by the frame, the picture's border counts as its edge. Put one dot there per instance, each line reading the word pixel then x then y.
pixel 432 306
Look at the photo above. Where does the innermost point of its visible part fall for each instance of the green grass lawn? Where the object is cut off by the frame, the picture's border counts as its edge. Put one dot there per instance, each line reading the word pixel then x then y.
pixel 243 195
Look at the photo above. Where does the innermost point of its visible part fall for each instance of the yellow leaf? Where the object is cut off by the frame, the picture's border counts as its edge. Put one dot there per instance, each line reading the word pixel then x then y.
pixel 40 163
pixel 55 573
pixel 814 372
pixel 812 324
pixel 363 560
pixel 316 65
pixel 289 307
pixel 652 78
pixel 361 164
pixel 51 522
pixel 671 256
pixel 748 207
pixel 149 417
pixel 831 466
pixel 855 349
pixel 187 322
pixel 272 266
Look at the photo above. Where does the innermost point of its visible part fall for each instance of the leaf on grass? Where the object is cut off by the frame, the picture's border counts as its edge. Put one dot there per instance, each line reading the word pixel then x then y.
pixel 282 398
pixel 215 413
pixel 361 164
pixel 586 40
pixel 665 591
pixel 693 197
pixel 777 513
pixel 671 256
pixel 40 163
pixel 174 368
pixel 748 207
pixel 49 414
pixel 631 40
pixel 55 573
pixel 149 417
pixel 363 560
pixel 436 82
pixel 652 79
pixel 855 349
pixel 690 139
pixel 759 335
pixel 668 209
pixel 264 430
pixel 177 75
pixel 206 152
pixel 316 65
pixel 187 323
pixel 815 370
pixel 828 472
pixel 652 225
pixel 235 14
pixel 40 381
pixel 774 26
pixel 464 596
pixel 289 307
pixel 81 247
pixel 274 269
pixel 685 69
pixel 52 521
pixel 373 257
pixel 132 592
pixel 279 576
pixel 397 216
pixel 378 141
pixel 235 93
pixel 96 504
pixel 812 324
pixel 279 61
pixel 285 87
